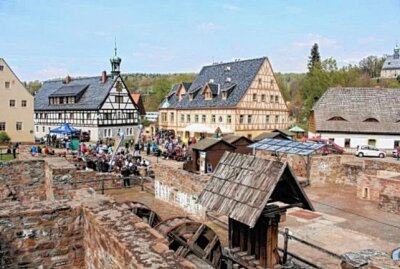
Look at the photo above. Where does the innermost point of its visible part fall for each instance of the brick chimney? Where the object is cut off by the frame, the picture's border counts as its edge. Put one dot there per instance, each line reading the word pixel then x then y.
pixel 67 79
pixel 103 77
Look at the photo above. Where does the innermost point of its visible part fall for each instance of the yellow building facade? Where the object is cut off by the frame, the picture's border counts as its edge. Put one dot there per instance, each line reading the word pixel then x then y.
pixel 16 106
pixel 240 97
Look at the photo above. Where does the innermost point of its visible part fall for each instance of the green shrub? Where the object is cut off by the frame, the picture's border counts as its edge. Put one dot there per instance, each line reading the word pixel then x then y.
pixel 4 138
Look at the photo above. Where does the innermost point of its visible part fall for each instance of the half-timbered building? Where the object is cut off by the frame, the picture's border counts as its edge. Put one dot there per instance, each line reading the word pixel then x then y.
pixel 240 97
pixel 100 105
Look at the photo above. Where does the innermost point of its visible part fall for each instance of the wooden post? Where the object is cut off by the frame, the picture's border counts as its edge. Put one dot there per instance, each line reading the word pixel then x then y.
pixel 250 241
pixel 257 240
pixel 263 243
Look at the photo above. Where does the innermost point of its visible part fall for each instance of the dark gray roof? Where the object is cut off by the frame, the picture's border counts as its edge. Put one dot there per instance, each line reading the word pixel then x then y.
pixel 391 63
pixel 231 139
pixel 270 135
pixel 242 185
pixel 92 98
pixel 206 143
pixel 234 76
pixel 70 90
pixel 355 105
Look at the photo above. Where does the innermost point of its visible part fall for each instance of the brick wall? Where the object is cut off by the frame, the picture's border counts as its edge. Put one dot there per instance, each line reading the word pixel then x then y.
pixel 41 234
pixel 22 180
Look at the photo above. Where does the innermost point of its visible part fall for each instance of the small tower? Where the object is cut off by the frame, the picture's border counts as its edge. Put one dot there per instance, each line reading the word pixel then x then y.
pixel 396 54
pixel 115 63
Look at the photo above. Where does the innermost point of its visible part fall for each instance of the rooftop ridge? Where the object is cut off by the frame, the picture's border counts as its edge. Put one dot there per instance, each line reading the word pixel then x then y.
pixel 74 78
pixel 236 61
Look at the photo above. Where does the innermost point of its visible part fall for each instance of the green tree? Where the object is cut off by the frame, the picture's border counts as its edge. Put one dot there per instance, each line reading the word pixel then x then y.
pixel 314 59
pixel 372 65
pixel 4 138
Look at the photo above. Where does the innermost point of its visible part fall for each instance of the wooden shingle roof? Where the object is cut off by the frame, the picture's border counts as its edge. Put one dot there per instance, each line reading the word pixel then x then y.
pixel 242 185
pixel 206 143
pixel 355 107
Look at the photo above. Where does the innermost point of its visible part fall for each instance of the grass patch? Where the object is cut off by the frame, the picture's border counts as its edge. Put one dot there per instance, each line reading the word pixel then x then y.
pixel 6 157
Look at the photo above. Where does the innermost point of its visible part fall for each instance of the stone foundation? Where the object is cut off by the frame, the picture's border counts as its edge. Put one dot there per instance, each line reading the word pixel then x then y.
pixel 39 228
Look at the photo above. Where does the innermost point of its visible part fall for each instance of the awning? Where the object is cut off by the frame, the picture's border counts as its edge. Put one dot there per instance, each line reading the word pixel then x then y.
pixel 198 128
pixel 65 129
pixel 222 130
pixel 296 129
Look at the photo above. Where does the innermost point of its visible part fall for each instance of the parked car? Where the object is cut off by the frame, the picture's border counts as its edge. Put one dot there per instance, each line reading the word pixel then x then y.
pixel 369 151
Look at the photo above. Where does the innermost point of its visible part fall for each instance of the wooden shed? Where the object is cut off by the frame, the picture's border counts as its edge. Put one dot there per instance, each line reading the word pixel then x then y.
pixel 254 193
pixel 240 142
pixel 207 152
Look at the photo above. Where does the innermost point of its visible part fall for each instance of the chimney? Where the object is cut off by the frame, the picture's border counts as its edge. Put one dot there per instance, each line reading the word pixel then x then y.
pixel 103 77
pixel 67 79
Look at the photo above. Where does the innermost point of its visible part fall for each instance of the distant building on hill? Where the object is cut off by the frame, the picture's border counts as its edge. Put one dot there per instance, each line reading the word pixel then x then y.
pixel 240 97
pixel 16 106
pixel 358 116
pixel 100 105
pixel 391 66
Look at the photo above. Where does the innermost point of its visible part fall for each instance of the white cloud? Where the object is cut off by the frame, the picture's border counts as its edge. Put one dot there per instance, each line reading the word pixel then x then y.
pixel 207 27
pixel 369 40
pixel 230 7
pixel 322 41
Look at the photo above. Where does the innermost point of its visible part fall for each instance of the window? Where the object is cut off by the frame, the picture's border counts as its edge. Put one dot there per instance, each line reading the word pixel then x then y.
pixel 229 119
pixel 271 98
pixel 396 143
pixel 59 115
pixel 182 118
pixel 119 99
pixel 188 118
pixel 88 116
pixel 196 118
pixel 371 120
pixel 241 118
pixel 213 117
pixel 254 97
pixel 7 84
pixel 23 103
pixel 61 100
pixel 71 116
pixel 203 118
pixel 164 116
pixel 347 143
pixel 107 116
pixel 259 80
pixel 220 119
pixel 249 119
pixel 43 129
pixel 224 95
pixel 19 126
pixel 262 97
pixel 130 115
pixel 172 117
pixel 1 67
pixel 105 132
pixel 277 119
pixel 12 103
pixel 266 118
pixel 337 118
pixel 372 142
pixel 2 126
pixel 37 129
pixel 365 193
pixel 277 99
pixel 208 95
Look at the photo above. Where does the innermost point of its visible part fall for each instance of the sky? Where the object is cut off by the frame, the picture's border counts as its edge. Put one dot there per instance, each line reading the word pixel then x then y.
pixel 44 39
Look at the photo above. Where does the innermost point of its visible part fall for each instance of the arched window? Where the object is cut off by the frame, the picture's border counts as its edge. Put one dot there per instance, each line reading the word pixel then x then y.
pixel 371 120
pixel 337 118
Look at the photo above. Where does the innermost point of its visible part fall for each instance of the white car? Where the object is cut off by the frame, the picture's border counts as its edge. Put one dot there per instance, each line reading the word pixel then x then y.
pixel 368 151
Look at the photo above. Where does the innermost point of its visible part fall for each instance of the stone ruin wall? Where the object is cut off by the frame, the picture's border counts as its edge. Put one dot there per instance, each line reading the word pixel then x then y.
pixel 85 231
pixel 42 235
pixel 179 187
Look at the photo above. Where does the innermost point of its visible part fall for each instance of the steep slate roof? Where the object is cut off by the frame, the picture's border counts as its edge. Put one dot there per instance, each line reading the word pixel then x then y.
pixel 355 105
pixel 242 185
pixel 241 74
pixel 91 99
pixel 391 63
pixel 137 98
pixel 206 143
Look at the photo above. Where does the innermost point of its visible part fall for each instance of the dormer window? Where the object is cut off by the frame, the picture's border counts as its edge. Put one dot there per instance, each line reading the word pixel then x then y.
pixel 371 120
pixel 227 68
pixel 228 79
pixel 191 97
pixel 224 95
pixel 337 118
pixel 208 95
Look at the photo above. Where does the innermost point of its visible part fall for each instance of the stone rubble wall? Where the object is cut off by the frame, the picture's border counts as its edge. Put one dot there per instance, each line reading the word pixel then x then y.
pixel 41 235
pixel 22 180
pixel 115 238
pixel 179 187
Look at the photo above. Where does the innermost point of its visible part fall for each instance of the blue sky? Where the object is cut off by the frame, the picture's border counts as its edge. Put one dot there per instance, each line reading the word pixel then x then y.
pixel 47 39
